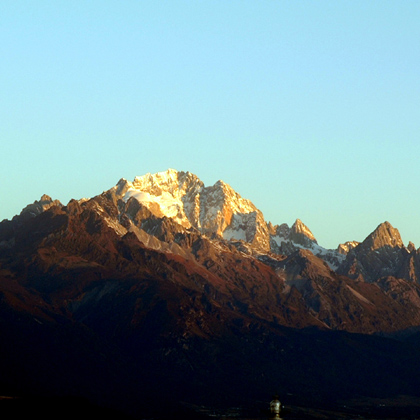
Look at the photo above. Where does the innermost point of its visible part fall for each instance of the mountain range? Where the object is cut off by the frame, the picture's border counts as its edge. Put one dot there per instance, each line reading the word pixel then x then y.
pixel 163 289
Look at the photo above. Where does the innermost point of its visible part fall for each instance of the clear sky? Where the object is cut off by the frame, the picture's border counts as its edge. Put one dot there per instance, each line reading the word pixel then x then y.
pixel 310 109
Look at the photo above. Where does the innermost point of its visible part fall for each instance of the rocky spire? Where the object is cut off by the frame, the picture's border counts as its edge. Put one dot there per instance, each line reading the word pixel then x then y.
pixel 384 235
pixel 381 254
pixel 301 234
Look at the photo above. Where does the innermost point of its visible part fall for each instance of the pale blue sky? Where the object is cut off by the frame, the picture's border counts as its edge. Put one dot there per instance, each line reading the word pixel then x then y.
pixel 310 109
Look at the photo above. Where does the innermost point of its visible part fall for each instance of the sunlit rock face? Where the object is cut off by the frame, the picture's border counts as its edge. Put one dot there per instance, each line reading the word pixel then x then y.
pixel 301 234
pixel 215 210
pixel 347 247
pixel 381 254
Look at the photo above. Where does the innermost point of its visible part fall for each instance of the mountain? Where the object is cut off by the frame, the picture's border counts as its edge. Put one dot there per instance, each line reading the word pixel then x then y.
pixel 165 288
pixel 217 211
pixel 182 197
pixel 382 254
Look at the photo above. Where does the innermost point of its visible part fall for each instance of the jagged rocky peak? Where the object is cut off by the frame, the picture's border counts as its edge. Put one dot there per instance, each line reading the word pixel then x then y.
pixel 347 247
pixel 295 233
pixel 384 235
pixel 222 198
pixel 39 206
pixel 287 240
pixel 45 199
pixel 122 186
pixel 411 247
pixel 301 234
pixel 282 230
pixel 381 254
pixel 223 211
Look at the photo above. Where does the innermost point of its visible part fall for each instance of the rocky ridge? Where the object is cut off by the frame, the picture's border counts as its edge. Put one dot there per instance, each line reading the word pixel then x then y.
pixel 156 205
pixel 218 211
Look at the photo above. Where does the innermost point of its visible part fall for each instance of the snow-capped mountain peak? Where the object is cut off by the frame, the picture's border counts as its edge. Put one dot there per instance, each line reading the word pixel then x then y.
pixel 164 194
pixel 183 197
pixel 218 210
pixel 176 183
pixel 176 200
